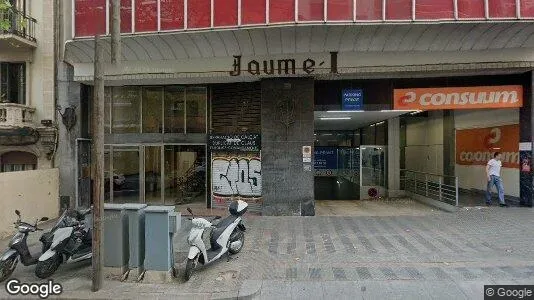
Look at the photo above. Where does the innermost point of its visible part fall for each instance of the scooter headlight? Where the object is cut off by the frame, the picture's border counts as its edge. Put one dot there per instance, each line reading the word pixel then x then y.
pixel 16 239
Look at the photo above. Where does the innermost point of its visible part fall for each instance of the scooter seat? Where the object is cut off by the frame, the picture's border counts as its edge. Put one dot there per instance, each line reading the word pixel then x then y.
pixel 219 229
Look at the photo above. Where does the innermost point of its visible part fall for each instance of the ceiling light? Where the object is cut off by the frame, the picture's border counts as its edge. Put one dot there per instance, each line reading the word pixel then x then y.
pixel 380 123
pixel 397 110
pixel 343 111
pixel 338 118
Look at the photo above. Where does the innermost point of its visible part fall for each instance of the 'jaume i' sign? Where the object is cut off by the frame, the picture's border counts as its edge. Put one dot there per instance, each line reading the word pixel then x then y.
pixel 284 66
pixel 249 142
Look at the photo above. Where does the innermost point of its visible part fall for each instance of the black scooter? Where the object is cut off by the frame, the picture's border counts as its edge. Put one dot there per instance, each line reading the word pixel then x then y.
pixel 18 247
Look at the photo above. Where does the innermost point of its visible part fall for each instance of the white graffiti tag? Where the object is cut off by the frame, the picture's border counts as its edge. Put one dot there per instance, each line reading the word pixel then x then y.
pixel 236 177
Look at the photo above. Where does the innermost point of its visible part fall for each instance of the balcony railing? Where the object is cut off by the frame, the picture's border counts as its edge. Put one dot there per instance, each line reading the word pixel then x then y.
pixel 16 115
pixel 19 24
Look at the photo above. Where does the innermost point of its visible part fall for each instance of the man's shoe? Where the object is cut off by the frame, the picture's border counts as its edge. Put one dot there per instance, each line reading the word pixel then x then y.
pixel 488 203
pixel 503 205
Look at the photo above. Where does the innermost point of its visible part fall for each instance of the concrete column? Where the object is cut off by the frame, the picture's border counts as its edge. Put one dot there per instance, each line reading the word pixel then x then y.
pixel 286 125
pixel 526 135
pixel 394 158
pixel 65 160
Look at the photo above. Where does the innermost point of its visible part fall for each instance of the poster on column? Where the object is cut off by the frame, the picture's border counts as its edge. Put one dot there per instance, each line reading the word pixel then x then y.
pixel 477 146
pixel 236 176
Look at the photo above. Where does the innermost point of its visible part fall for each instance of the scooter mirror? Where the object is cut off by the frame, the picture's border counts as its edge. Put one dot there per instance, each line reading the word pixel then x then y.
pixel 189 210
pixel 44 219
pixel 17 212
pixel 217 218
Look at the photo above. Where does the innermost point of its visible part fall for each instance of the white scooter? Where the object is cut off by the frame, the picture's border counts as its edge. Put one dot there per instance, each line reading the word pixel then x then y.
pixel 227 236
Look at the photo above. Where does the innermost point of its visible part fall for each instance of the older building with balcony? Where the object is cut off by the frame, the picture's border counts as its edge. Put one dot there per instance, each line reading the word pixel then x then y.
pixel 28 134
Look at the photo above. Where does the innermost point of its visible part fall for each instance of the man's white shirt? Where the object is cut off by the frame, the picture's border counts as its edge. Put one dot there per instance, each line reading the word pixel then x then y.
pixel 494 167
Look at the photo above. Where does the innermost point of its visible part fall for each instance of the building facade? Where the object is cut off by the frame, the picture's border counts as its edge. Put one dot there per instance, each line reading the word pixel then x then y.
pixel 28 124
pixel 27 103
pixel 222 99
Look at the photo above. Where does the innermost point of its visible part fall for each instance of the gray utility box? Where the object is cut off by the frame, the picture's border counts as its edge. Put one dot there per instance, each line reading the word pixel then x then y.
pixel 136 234
pixel 116 250
pixel 161 224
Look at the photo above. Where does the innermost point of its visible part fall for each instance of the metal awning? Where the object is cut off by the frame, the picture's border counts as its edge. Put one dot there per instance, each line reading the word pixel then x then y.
pixel 312 39
pixel 377 49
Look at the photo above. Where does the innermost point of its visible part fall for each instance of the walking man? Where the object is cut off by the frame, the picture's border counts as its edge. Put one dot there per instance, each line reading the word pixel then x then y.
pixel 493 173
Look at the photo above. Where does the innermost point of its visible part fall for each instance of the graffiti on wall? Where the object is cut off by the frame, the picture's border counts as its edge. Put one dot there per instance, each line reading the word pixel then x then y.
pixel 236 177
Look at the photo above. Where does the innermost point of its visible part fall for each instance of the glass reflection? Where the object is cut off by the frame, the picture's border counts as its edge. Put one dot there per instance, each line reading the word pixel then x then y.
pixel 152 109
pixel 126 109
pixel 126 175
pixel 174 109
pixel 153 174
pixel 196 109
pixel 185 174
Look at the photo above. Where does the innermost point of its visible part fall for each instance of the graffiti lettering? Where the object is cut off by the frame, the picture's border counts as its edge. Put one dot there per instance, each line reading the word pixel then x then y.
pixel 236 177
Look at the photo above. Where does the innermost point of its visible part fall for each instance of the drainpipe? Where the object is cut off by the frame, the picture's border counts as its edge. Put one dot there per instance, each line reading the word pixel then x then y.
pixel 76 171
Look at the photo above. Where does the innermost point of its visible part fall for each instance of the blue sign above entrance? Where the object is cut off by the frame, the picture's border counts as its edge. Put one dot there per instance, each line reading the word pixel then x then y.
pixel 352 99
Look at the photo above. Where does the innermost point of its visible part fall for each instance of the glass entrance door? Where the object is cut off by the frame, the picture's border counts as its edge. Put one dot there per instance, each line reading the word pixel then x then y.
pixel 373 171
pixel 185 174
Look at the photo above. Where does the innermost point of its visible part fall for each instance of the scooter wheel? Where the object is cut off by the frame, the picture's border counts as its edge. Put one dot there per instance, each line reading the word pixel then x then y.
pixel 237 240
pixel 189 267
pixel 7 267
pixel 45 269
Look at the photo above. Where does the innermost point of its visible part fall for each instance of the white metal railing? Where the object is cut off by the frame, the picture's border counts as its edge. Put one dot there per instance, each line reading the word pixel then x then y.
pixel 434 186
pixel 16 115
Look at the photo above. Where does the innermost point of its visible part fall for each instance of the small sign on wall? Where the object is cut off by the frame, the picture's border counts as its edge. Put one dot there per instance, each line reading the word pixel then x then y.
pixel 306 151
pixel 352 99
pixel 525 146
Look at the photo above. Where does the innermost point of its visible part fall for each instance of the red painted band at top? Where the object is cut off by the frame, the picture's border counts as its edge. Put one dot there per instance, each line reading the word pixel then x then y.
pixel 167 15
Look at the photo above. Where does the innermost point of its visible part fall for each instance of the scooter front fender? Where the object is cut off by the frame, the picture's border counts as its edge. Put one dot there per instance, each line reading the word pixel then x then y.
pixel 193 252
pixel 49 253
pixel 9 253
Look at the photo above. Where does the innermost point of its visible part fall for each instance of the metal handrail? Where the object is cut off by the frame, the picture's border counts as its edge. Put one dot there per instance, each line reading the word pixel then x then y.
pixel 429 188
pixel 20 24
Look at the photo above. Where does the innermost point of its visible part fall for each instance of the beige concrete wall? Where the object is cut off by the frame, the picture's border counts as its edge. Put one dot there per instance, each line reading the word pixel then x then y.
pixel 34 193
pixel 424 144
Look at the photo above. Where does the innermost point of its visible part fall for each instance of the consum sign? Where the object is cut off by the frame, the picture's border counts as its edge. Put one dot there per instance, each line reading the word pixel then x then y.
pixel 504 96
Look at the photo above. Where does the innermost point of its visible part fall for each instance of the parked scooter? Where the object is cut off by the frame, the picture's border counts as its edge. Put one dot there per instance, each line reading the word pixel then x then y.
pixel 18 247
pixel 71 243
pixel 227 236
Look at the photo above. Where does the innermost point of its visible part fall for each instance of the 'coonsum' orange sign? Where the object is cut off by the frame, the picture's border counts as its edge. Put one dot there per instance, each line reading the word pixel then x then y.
pixel 505 96
pixel 476 146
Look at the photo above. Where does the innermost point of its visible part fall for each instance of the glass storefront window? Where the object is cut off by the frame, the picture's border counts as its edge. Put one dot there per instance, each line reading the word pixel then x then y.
pixel 174 109
pixel 170 109
pixel 196 109
pixel 185 174
pixel 152 109
pixel 107 110
pixel 153 174
pixel 126 109
pixel 125 174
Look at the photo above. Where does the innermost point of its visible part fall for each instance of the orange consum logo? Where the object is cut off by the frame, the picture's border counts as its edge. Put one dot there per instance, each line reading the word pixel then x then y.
pixel 504 96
